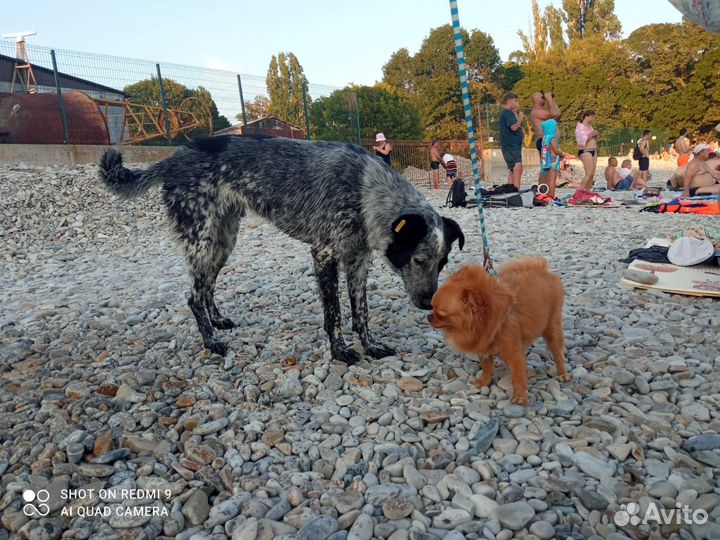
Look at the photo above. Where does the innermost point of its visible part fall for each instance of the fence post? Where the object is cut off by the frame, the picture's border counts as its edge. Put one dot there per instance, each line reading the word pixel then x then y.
pixel 164 104
pixel 61 101
pixel 305 108
pixel 242 102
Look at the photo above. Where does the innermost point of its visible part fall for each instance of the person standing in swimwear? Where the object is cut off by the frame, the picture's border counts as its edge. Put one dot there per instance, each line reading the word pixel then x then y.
pixel 700 179
pixel 538 115
pixel 436 162
pixel 644 162
pixel 682 147
pixel 551 155
pixel 586 138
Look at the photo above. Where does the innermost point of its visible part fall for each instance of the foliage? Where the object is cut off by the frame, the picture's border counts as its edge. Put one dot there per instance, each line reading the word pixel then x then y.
pixel 379 109
pixel 147 92
pixel 677 75
pixel 256 109
pixel 286 84
pixel 430 79
pixel 588 18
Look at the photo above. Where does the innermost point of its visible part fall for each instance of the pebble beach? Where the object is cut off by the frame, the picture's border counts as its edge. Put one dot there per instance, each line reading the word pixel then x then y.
pixel 105 386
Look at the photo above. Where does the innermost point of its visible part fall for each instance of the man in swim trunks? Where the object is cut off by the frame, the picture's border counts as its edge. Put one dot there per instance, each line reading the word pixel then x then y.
pixel 700 179
pixel 644 162
pixel 682 147
pixel 435 163
pixel 537 116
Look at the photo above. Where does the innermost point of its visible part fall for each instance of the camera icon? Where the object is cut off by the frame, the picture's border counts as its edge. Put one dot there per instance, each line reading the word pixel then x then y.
pixel 40 509
pixel 627 514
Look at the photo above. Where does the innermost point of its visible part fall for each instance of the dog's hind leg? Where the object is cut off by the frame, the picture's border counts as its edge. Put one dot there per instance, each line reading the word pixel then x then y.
pixel 555 340
pixel 357 272
pixel 197 302
pixel 221 251
pixel 326 273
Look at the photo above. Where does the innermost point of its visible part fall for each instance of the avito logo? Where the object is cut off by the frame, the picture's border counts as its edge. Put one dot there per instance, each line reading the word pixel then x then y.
pixel 41 497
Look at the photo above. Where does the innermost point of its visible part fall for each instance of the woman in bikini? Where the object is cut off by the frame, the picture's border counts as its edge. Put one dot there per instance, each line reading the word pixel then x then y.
pixel 586 138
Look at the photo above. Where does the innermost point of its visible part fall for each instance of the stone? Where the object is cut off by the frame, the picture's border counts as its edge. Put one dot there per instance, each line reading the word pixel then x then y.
pixel 196 509
pixel 514 516
pixel 126 393
pixel 347 500
pixel 399 508
pixel 362 529
pixel 708 441
pixel 247 530
pixel 543 530
pixel 410 384
pixel 592 500
pixel 484 435
pixel 318 528
pixel 451 518
pixel 484 506
pixel 594 467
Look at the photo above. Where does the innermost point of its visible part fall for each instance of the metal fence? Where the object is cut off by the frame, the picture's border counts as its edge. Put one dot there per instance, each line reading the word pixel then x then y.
pixel 110 99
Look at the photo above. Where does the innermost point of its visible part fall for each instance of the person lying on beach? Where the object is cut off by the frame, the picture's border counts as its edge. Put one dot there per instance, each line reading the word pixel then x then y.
pixel 565 176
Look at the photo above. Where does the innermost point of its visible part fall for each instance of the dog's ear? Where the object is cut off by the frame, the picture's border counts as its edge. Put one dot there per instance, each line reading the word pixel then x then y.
pixel 407 232
pixel 488 305
pixel 453 232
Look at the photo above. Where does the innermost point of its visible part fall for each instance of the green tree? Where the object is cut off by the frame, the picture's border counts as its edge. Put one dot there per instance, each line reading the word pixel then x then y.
pixel 430 79
pixel 286 84
pixel 255 109
pixel 677 75
pixel 585 18
pixel 147 92
pixel 334 117
pixel 546 35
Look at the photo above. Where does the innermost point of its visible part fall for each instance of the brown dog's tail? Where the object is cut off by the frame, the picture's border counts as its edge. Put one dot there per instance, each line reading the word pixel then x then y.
pixel 122 181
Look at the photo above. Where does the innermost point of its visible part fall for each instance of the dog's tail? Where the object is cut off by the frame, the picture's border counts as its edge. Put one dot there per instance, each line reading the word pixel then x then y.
pixel 122 181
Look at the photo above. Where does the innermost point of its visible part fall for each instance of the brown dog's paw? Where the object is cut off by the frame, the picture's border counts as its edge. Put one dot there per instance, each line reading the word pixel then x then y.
pixel 565 377
pixel 520 399
pixel 482 381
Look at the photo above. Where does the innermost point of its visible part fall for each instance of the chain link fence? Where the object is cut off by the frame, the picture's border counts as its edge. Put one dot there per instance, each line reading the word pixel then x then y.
pixel 61 96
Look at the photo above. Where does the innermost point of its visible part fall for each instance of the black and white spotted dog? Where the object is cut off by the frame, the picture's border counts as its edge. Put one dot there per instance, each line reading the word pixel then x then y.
pixel 336 197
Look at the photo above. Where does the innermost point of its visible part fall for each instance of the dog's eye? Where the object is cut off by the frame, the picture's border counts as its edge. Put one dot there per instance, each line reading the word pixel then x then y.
pixel 419 261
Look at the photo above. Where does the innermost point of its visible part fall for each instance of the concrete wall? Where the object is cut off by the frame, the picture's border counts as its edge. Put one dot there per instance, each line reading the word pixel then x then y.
pixel 76 154
pixel 493 161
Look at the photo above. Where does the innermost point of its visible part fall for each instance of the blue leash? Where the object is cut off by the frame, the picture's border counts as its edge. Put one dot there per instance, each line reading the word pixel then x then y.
pixel 460 53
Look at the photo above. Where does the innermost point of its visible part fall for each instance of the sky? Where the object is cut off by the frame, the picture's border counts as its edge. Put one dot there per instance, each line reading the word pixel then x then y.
pixel 337 42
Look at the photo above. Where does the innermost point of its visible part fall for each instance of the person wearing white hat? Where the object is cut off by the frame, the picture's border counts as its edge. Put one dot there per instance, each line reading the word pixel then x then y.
pixel 700 179
pixel 383 148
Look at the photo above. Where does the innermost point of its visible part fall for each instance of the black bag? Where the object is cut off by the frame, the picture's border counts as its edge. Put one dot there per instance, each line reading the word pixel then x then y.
pixel 456 196
pixel 520 199
pixel 637 154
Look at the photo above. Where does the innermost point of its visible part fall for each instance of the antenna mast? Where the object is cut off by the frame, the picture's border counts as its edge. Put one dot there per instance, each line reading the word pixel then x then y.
pixel 23 68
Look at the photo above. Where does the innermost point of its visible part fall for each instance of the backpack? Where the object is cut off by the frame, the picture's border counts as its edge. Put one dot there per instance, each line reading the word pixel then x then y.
pixel 637 154
pixel 456 196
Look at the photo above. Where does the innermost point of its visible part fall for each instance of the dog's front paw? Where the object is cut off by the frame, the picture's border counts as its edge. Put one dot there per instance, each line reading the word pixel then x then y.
pixel 216 346
pixel 223 324
pixel 520 399
pixel 379 351
pixel 564 377
pixel 347 356
pixel 482 381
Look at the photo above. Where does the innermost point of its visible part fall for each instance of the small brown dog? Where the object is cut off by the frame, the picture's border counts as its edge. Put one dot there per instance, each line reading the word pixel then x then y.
pixel 482 315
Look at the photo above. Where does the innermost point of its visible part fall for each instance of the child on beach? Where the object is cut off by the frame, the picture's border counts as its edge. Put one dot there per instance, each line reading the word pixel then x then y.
pixel 623 178
pixel 450 168
pixel 551 156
